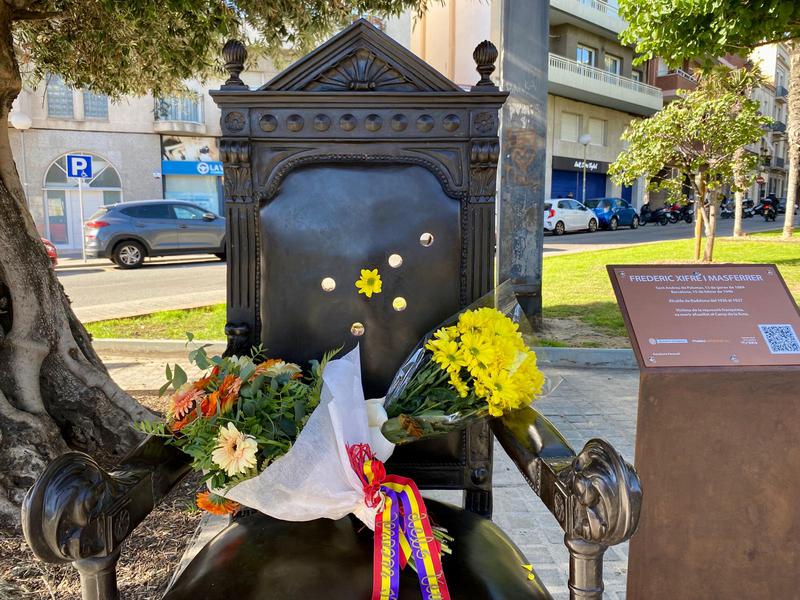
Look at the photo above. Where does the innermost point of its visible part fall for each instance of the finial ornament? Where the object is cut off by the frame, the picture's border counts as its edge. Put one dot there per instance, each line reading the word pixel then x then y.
pixel 235 54
pixel 485 55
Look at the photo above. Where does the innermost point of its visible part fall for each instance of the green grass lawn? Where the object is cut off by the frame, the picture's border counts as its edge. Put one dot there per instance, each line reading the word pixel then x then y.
pixel 206 323
pixel 773 234
pixel 575 285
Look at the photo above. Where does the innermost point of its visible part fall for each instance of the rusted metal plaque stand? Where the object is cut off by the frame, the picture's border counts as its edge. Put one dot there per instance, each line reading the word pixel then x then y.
pixel 718 456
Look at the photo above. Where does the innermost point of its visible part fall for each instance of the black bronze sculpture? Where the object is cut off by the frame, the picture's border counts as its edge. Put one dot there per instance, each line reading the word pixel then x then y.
pixel 358 152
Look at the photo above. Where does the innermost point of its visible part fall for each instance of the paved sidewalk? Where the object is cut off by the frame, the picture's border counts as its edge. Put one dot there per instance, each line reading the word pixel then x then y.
pixel 586 404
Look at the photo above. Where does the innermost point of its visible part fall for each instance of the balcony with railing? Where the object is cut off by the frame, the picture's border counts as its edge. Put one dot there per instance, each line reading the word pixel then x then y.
pixel 579 81
pixel 778 128
pixel 179 114
pixel 597 12
pixel 673 80
pixel 781 93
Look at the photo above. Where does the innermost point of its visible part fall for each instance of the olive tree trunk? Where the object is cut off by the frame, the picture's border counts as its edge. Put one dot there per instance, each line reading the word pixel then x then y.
pixel 55 392
pixel 740 179
pixel 711 227
pixel 793 134
pixel 699 212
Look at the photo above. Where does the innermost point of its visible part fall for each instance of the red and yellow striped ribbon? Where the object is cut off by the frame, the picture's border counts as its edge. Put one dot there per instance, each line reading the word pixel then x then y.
pixel 403 531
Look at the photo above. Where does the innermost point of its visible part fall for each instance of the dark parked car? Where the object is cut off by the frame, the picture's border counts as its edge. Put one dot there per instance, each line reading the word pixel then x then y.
pixel 128 232
pixel 613 212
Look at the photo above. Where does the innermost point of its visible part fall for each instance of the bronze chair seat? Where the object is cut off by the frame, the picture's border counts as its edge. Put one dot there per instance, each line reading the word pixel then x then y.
pixel 261 558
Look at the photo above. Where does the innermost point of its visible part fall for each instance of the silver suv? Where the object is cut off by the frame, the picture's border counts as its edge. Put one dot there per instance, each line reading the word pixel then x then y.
pixel 128 232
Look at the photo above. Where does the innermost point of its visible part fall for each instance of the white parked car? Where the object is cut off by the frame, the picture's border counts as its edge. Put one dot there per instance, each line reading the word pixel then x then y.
pixel 564 214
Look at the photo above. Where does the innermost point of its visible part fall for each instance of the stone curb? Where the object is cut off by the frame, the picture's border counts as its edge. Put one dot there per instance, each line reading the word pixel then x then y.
pixel 76 263
pixel 601 358
pixel 133 347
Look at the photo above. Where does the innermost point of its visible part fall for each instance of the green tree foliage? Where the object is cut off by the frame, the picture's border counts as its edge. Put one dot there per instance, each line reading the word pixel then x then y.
pixel 698 135
pixel 142 46
pixel 679 30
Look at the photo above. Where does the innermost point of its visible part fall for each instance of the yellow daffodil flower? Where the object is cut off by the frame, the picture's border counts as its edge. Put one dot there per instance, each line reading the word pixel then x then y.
pixel 369 283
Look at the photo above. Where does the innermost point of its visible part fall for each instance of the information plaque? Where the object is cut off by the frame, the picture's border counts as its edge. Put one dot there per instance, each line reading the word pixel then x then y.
pixel 716 431
pixel 709 315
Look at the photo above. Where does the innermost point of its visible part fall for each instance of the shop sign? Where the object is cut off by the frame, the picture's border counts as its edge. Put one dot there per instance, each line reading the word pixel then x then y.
pixel 192 167
pixel 564 163
pixel 190 155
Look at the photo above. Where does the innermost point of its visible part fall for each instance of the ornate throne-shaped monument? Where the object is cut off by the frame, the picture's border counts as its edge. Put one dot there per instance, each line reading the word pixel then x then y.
pixel 360 155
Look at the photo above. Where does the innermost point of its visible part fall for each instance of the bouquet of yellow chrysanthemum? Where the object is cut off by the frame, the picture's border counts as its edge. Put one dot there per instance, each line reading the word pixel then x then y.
pixel 477 364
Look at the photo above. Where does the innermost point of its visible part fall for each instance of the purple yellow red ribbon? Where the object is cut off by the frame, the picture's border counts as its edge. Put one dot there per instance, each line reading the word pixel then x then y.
pixel 402 530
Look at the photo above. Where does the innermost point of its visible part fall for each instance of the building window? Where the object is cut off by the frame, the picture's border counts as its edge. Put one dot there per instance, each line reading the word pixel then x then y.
pixel 179 108
pixel 59 98
pixel 95 106
pixel 780 78
pixel 586 55
pixel 597 129
pixel 663 69
pixel 636 75
pixel 570 127
pixel 613 64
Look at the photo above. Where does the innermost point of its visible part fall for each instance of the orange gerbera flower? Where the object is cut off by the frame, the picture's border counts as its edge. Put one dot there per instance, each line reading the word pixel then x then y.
pixel 216 505
pixel 209 404
pixel 229 392
pixel 181 423
pixel 201 384
pixel 184 400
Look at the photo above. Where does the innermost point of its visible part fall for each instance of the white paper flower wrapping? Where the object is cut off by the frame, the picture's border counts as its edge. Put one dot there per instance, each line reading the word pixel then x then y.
pixel 315 479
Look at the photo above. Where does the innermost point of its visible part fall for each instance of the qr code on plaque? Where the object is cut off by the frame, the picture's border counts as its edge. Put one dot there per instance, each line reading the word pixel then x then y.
pixel 781 339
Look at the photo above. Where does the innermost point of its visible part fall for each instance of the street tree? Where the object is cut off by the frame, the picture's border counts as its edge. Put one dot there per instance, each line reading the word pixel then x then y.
pixel 679 30
pixel 55 392
pixel 699 135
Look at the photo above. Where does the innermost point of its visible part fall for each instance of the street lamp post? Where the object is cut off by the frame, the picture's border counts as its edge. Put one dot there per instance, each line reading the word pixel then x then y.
pixel 22 122
pixel 585 139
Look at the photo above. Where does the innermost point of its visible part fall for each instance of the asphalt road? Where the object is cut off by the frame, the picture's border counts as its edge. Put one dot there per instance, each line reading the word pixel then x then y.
pixel 653 232
pixel 102 291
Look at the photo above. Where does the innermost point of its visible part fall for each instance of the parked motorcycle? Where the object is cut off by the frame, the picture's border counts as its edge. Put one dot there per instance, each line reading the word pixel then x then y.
pixel 767 208
pixel 673 212
pixel 680 212
pixel 748 209
pixel 659 215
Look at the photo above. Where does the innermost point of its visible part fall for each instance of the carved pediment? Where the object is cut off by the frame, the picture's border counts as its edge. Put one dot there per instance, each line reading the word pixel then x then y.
pixel 361 71
pixel 361 59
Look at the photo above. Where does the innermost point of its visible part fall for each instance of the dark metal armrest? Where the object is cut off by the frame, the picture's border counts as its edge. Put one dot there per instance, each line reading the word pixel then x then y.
pixel 594 495
pixel 77 512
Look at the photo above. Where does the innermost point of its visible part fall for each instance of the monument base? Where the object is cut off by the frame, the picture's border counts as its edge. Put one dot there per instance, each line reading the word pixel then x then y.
pixel 718 454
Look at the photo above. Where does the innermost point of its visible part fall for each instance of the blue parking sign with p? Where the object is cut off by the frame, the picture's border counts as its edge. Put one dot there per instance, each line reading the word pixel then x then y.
pixel 79 166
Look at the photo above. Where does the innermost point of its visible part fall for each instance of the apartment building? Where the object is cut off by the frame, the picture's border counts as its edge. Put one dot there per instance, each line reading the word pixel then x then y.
pixel 594 90
pixel 773 61
pixel 142 148
pixel 775 65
